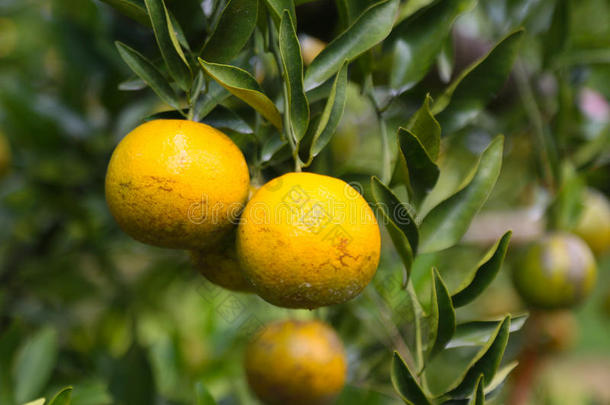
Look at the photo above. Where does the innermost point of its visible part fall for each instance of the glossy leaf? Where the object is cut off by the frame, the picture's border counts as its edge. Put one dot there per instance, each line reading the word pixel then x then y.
pixel 405 383
pixel 242 85
pixel 486 362
pixel 34 364
pixel 277 8
pixel 215 95
pixel 442 316
pixel 232 31
pixel 417 41
pixel 203 395
pixel 368 30
pixel 427 129
pixel 500 377
pixel 149 73
pixel 223 118
pixel 292 61
pixel 445 225
pixel 63 397
pixel 476 85
pixel 478 396
pixel 169 45
pixel 331 116
pixel 477 333
pixel 132 9
pixel 398 221
pixel 409 8
pixel 484 274
pixel 415 168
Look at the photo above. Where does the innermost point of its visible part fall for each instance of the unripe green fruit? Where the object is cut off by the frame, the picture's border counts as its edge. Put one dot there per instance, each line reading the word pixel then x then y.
pixel 557 272
pixel 594 223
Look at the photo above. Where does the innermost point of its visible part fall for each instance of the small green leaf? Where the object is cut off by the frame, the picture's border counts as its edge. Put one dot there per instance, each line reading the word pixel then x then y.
pixel 442 316
pixel 215 95
pixel 132 9
pixel 477 333
pixel 203 395
pixel 232 31
pixel 445 225
pixel 398 221
pixel 477 84
pixel 277 8
pixel 224 119
pixel 405 383
pixel 415 167
pixel 418 40
pixel 331 116
pixel 34 364
pixel 170 48
pixel 373 25
pixel 242 85
pixel 292 61
pixel 63 397
pixel 486 270
pixel 478 396
pixel 486 362
pixel 149 73
pixel 426 128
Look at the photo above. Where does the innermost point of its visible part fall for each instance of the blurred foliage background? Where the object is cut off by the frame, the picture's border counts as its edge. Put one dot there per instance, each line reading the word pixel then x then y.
pixel 82 304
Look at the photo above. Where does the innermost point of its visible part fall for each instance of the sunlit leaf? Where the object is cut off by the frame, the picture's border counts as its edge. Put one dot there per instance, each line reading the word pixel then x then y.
pixel 242 85
pixel 477 333
pixel 478 396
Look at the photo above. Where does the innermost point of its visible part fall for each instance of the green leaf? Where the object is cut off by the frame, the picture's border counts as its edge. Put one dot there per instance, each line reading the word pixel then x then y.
pixel 215 95
pixel 405 383
pixel 277 8
pixel 10 339
pixel 418 40
pixel 398 221
pixel 445 61
pixel 39 401
pixel 232 32
pixel 149 73
pixel 478 396
pixel 242 85
pixel 442 316
pixel 373 25
pixel 132 9
pixel 331 116
pixel 477 84
pixel 485 272
pixel 445 225
pixel 415 168
pixel 170 48
pixel 556 38
pixel 34 364
pixel 477 333
pixel 132 381
pixel 63 397
pixel 426 128
pixel 500 377
pixel 203 395
pixel 486 362
pixel 292 61
pixel 224 119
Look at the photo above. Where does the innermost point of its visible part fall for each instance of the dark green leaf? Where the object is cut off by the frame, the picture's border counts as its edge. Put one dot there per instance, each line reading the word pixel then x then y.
pixel 477 84
pixel 63 397
pixel 223 118
pixel 442 316
pixel 398 221
pixel 132 9
pixel 483 275
pixel 292 61
pixel 331 116
pixel 149 73
pixel 405 383
pixel 415 168
pixel 233 30
pixel 9 342
pixel 417 41
pixel 368 30
pixel 557 36
pixel 445 61
pixel 477 333
pixel 426 128
pixel 170 48
pixel 277 8
pixel 275 150
pixel 34 364
pixel 203 395
pixel 243 86
pixel 445 225
pixel 215 95
pixel 486 362
pixel 500 378
pixel 132 381
pixel 478 396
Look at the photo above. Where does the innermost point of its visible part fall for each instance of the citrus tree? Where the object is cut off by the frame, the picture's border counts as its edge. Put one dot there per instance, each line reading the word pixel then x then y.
pixel 320 164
